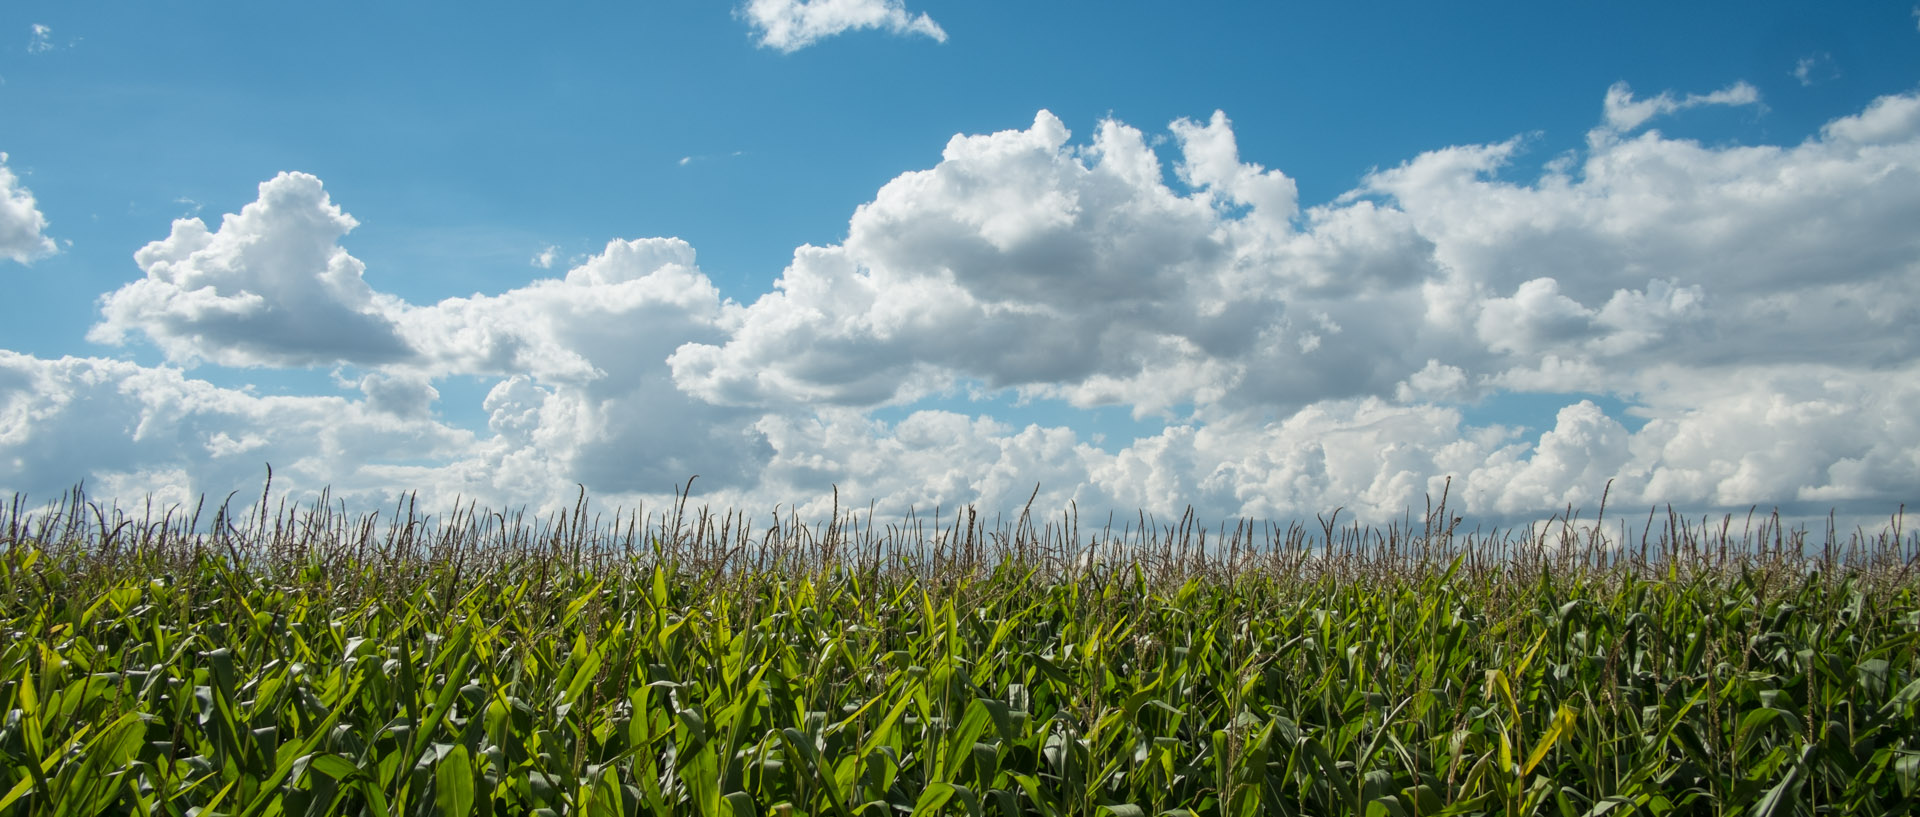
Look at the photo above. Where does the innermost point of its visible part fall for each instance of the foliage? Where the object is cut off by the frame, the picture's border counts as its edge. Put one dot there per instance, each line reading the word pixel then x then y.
pixel 305 663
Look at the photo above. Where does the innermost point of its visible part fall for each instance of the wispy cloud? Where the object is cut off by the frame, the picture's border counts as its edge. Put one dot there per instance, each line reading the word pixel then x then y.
pixel 1815 67
pixel 1624 113
pixel 42 40
pixel 790 25
pixel 546 257
pixel 701 157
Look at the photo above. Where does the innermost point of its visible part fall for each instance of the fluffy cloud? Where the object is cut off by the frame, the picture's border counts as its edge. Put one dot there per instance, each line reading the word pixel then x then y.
pixel 1750 303
pixel 400 395
pixel 1012 262
pixel 1812 433
pixel 588 389
pixel 790 25
pixel 42 39
pixel 22 226
pixel 1024 262
pixel 271 287
pixel 1077 273
pixel 635 300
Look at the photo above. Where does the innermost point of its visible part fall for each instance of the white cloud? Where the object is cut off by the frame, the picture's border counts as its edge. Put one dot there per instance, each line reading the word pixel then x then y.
pixel 1435 382
pixel 589 397
pixel 1625 113
pixel 1752 303
pixel 1024 262
pixel 1569 465
pixel 273 287
pixel 154 429
pixel 641 295
pixel 1070 272
pixel 1814 433
pixel 1009 263
pixel 22 226
pixel 1890 123
pixel 42 40
pixel 401 395
pixel 547 255
pixel 1212 161
pixel 270 287
pixel 790 25
pixel 1815 67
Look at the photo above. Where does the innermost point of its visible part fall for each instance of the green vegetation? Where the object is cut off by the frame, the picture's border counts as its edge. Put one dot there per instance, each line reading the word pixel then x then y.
pixel 306 663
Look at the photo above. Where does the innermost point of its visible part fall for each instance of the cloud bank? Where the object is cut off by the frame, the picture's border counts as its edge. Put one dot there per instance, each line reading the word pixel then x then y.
pixel 1750 304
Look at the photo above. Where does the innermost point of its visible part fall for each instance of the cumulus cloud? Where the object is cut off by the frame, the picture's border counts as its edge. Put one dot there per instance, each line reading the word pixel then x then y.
pixel 1009 263
pixel 1211 161
pixel 588 396
pixel 1027 263
pixel 634 299
pixel 22 226
pixel 790 25
pixel 1750 302
pixel 400 395
pixel 271 287
pixel 1435 382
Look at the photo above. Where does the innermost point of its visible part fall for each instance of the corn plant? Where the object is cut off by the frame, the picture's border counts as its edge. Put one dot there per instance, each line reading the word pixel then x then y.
pixel 304 662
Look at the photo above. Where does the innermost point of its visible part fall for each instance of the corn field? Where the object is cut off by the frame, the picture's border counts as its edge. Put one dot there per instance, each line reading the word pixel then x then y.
pixel 301 661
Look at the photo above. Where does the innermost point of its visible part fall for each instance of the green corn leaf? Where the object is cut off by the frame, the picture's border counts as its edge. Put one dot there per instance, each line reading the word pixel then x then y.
pixel 268 789
pixel 741 805
pixel 933 797
pixel 1037 794
pixel 1783 791
pixel 453 788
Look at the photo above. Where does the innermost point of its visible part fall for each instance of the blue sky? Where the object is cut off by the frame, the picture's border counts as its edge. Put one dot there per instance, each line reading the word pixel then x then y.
pixel 1524 245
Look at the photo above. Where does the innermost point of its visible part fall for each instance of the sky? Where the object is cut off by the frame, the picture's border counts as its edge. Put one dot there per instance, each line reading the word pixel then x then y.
pixel 1260 259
